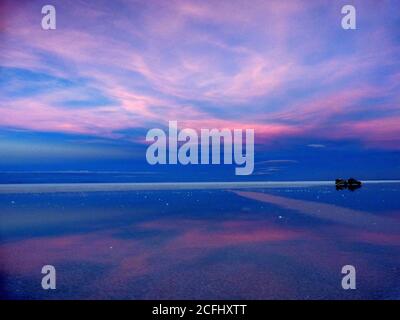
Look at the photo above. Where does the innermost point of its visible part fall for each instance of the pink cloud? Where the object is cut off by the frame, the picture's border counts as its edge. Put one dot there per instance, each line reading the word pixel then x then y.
pixel 168 64
pixel 377 133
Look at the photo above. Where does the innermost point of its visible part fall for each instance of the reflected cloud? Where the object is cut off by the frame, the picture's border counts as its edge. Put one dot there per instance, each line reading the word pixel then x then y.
pixel 231 244
pixel 324 211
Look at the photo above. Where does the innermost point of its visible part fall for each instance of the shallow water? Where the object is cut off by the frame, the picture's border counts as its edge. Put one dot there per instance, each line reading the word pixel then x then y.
pixel 270 243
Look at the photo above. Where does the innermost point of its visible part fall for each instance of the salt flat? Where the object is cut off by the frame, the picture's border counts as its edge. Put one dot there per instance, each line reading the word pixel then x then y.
pixel 98 187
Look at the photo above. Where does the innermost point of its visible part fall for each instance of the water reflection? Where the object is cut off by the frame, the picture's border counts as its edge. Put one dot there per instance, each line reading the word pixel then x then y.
pixel 350 187
pixel 329 212
pixel 228 245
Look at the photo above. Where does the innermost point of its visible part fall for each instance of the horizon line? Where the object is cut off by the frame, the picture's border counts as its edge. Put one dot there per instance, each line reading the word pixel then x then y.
pixel 155 186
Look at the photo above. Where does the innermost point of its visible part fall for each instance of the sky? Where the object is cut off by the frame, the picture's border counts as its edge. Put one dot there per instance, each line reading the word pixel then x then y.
pixel 323 101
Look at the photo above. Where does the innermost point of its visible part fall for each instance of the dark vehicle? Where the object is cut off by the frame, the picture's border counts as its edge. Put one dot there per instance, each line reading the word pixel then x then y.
pixel 350 184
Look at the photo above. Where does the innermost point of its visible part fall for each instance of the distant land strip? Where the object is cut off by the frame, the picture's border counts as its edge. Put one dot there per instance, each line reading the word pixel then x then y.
pixel 117 186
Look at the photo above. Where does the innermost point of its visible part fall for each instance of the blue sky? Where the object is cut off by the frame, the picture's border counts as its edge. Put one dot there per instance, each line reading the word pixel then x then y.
pixel 324 102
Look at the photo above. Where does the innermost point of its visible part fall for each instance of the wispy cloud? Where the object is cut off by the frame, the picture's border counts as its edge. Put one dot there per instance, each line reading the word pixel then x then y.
pixel 281 161
pixel 115 66
pixel 316 145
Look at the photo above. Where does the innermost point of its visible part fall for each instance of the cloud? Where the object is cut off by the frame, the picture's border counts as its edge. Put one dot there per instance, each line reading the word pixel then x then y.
pixel 281 161
pixel 316 145
pixel 204 64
